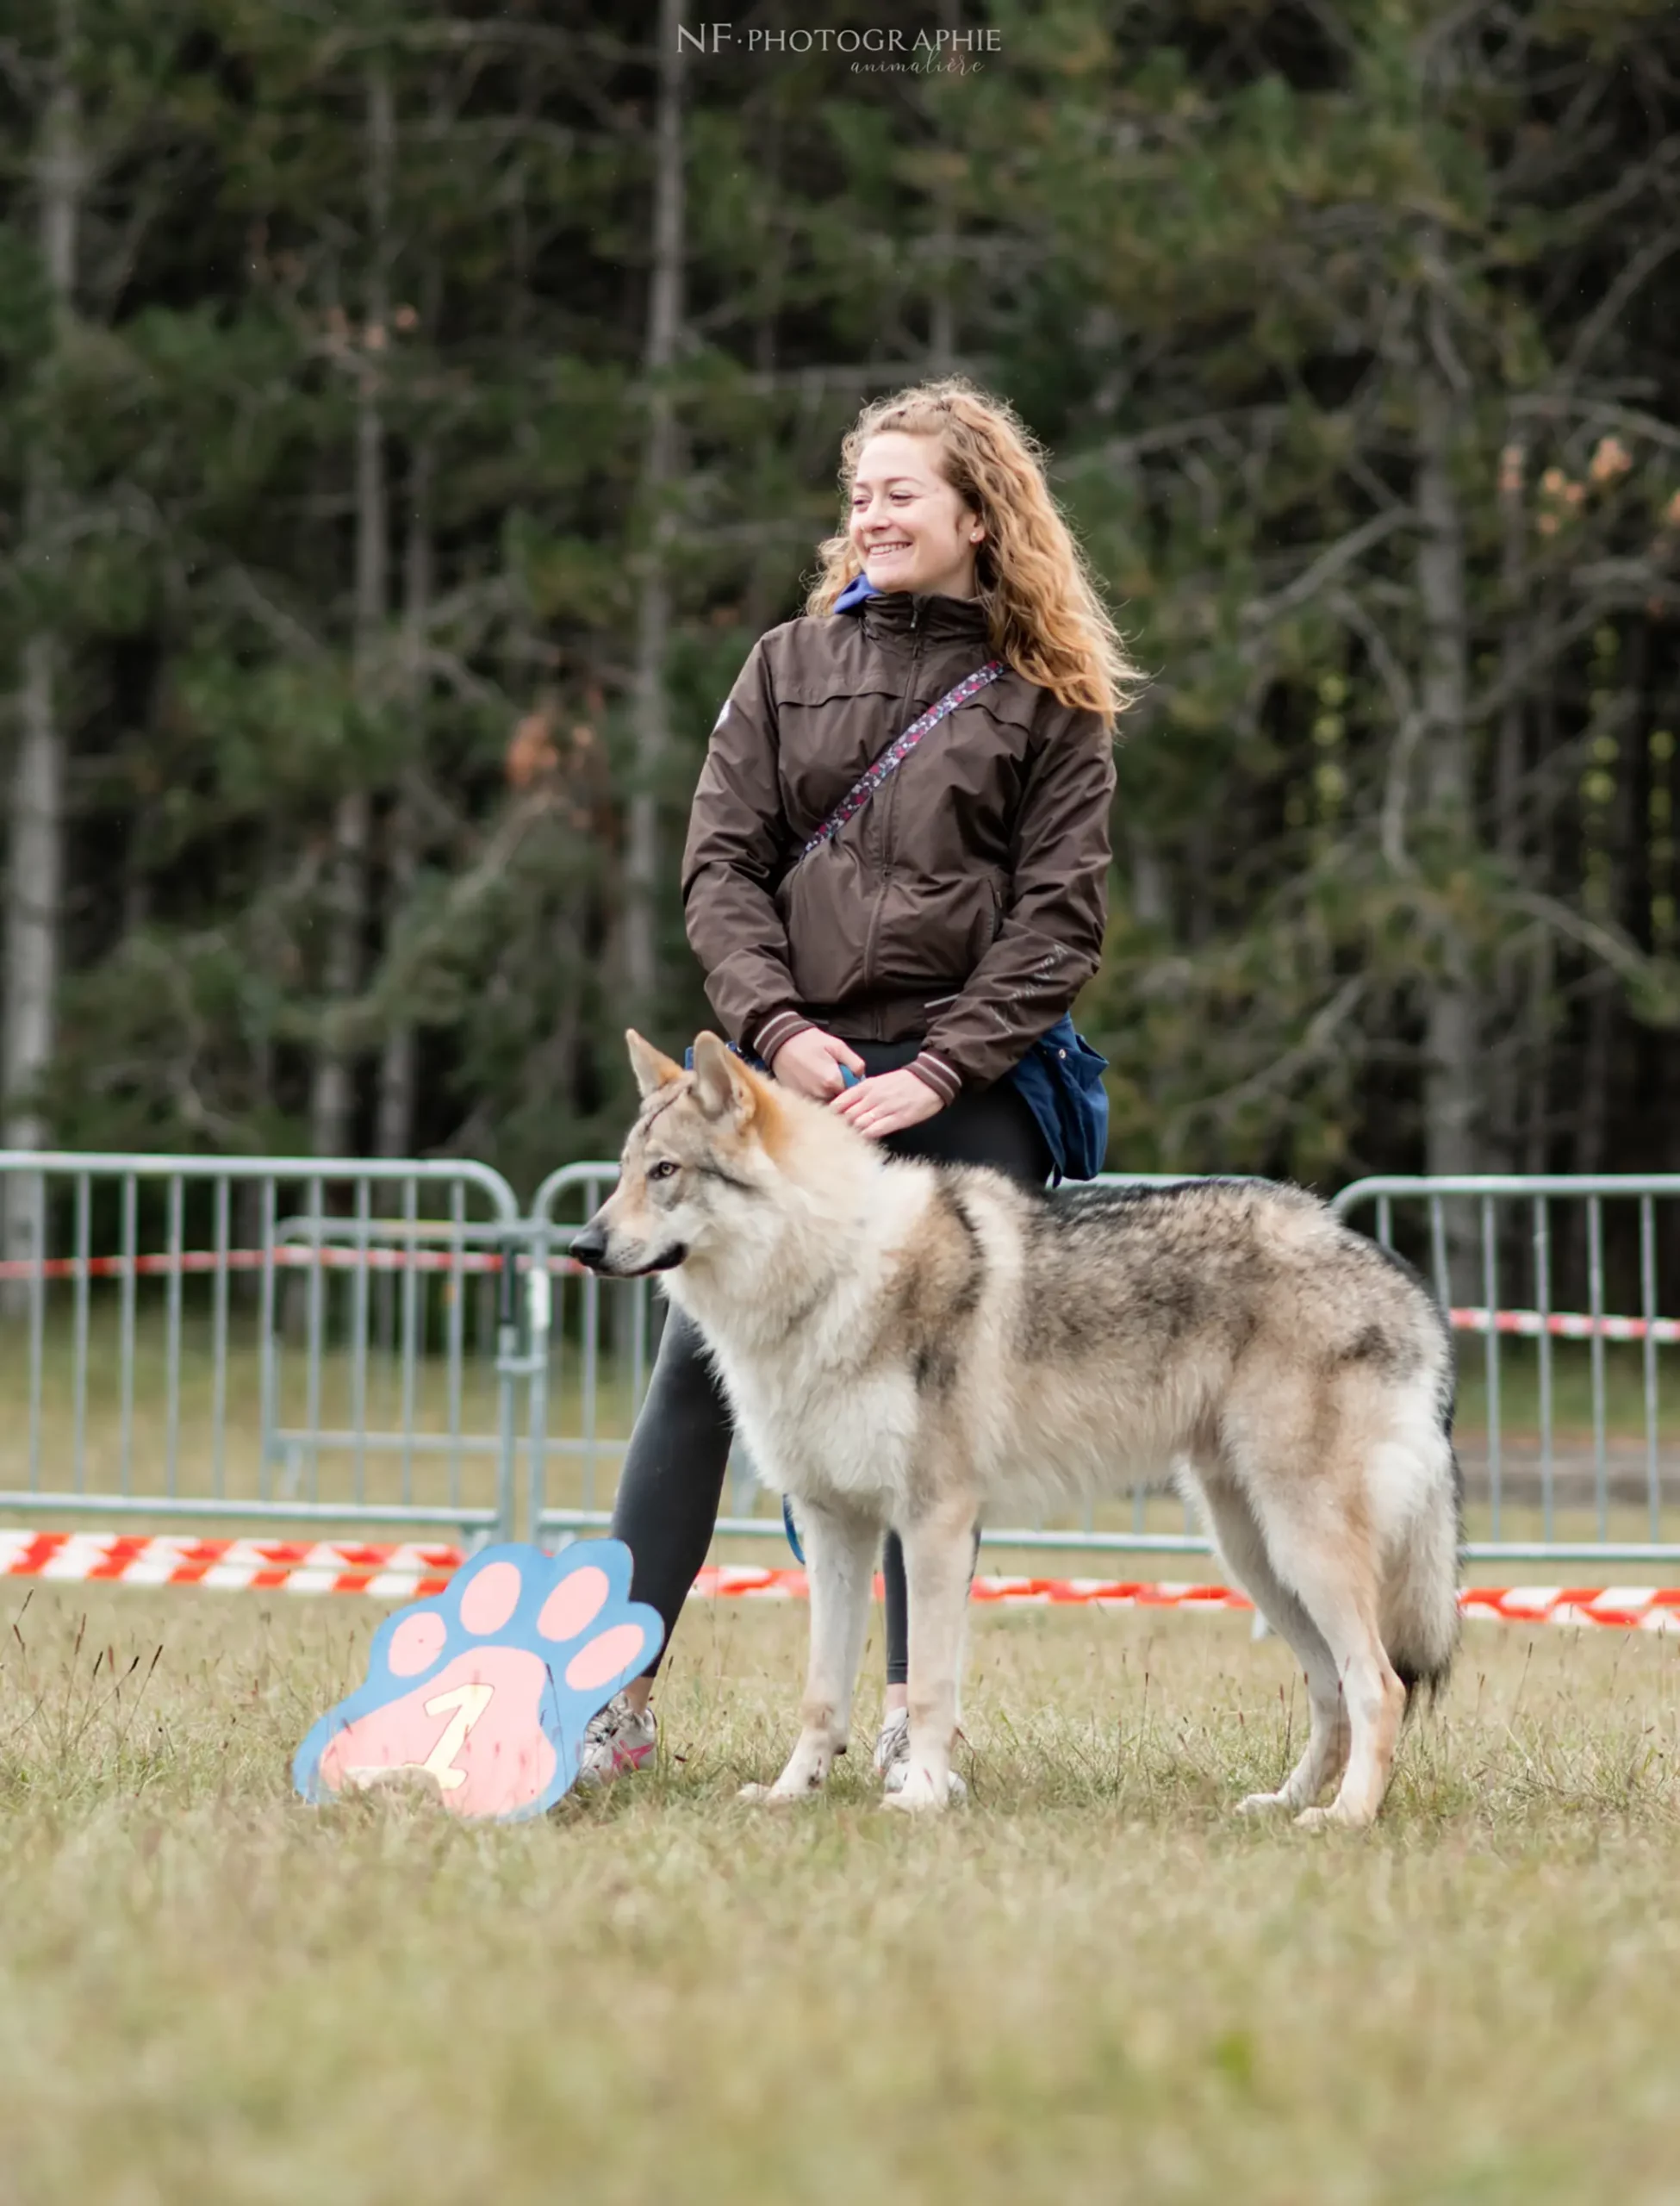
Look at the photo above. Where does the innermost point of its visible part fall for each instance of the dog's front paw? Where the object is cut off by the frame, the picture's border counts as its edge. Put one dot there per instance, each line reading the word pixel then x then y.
pixel 1265 1803
pixel 921 1793
pixel 1334 1817
pixel 802 1779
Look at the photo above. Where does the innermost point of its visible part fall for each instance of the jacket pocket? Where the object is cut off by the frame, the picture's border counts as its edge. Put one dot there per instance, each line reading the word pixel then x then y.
pixel 782 895
pixel 824 905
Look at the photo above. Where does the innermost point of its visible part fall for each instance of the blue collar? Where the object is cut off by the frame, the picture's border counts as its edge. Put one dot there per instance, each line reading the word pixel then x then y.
pixel 859 589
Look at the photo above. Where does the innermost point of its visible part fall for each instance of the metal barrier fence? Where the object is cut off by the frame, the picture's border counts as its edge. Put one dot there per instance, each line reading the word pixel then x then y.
pixel 1560 1427
pixel 253 1339
pixel 343 1343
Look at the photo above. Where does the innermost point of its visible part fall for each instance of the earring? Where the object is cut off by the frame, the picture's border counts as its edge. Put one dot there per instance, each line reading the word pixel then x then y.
pixel 975 537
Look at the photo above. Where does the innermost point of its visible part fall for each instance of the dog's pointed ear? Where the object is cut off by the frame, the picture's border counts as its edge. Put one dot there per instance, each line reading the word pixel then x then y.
pixel 723 1087
pixel 651 1067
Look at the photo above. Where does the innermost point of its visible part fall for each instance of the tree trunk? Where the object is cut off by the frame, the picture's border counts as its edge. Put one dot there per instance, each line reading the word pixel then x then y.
pixel 34 887
pixel 1539 1026
pixel 1502 1135
pixel 767 580
pixel 36 854
pixel 334 1097
pixel 395 1134
pixel 659 469
pixel 1450 1079
pixel 1543 1017
pixel 1452 1040
pixel 1514 644
pixel 1597 1087
pixel 1151 901
pixel 941 309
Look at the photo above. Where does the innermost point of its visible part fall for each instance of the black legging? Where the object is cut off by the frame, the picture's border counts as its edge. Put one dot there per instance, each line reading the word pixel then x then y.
pixel 672 1477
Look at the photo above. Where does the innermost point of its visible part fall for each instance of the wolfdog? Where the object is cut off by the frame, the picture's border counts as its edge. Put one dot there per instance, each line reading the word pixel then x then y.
pixel 913 1345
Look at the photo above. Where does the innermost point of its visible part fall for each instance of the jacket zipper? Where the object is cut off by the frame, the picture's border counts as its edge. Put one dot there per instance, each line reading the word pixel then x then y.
pixel 874 934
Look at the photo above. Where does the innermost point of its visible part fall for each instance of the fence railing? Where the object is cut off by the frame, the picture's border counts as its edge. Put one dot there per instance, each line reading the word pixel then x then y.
pixel 1560 1427
pixel 343 1344
pixel 276 1338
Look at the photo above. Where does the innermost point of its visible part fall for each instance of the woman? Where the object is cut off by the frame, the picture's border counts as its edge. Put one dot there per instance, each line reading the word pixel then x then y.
pixel 929 943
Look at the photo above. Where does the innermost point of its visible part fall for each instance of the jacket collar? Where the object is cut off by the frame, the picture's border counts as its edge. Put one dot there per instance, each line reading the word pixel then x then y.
pixel 897 615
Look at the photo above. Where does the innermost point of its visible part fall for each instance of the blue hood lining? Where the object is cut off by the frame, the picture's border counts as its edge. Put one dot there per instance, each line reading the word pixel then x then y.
pixel 857 590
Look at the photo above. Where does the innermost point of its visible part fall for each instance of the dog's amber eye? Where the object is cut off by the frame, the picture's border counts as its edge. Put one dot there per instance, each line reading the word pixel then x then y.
pixel 663 1170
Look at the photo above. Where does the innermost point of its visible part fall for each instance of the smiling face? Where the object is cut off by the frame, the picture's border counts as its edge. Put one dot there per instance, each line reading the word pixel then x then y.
pixel 911 529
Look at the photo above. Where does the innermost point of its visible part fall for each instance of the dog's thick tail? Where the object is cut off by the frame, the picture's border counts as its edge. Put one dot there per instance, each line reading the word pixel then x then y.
pixel 1421 1619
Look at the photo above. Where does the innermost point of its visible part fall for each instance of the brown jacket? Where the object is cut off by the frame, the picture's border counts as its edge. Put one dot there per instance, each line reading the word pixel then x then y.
pixel 964 905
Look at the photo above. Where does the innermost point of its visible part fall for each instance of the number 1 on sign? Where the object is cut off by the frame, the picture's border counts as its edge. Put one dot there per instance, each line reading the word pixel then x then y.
pixel 464 1707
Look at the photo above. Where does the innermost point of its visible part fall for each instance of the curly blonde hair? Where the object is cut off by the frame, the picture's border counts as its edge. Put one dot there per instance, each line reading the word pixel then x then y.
pixel 1045 615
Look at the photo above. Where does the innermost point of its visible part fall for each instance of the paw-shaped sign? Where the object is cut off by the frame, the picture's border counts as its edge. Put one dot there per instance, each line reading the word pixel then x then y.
pixel 483 1692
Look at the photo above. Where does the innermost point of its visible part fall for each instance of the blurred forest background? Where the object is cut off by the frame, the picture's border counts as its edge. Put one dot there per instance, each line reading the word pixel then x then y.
pixel 409 417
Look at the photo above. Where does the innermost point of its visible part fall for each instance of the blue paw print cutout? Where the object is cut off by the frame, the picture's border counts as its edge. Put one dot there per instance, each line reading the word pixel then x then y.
pixel 484 1690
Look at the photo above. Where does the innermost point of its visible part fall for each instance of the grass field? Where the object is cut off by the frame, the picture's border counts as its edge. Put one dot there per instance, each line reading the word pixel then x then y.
pixel 1093 1983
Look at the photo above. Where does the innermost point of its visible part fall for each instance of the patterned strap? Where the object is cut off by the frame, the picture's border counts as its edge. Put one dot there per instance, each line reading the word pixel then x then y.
pixel 898 750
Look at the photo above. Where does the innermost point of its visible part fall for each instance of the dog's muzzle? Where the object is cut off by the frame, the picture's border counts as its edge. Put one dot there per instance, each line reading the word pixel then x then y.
pixel 590 1250
pixel 590 1247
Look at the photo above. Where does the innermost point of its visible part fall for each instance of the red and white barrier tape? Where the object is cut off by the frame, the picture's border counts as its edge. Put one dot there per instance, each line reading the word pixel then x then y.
pixel 1627 1608
pixel 1630 1608
pixel 389 1573
pixel 405 1572
pixel 745 1582
pixel 287 1256
pixel 1565 1324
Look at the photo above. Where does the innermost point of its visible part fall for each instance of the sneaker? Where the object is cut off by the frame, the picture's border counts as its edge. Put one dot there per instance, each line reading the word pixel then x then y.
pixel 893 1756
pixel 616 1741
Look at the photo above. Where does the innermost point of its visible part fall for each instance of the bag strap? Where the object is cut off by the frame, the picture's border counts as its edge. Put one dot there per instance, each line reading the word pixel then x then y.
pixel 898 750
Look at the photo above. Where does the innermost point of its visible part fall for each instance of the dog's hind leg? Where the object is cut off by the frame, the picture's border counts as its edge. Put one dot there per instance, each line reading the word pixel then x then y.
pixel 840 1559
pixel 1321 1554
pixel 939 1563
pixel 1237 1536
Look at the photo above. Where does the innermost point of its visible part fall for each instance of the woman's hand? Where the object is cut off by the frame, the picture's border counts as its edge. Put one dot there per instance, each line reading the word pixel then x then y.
pixel 810 1063
pixel 886 1104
